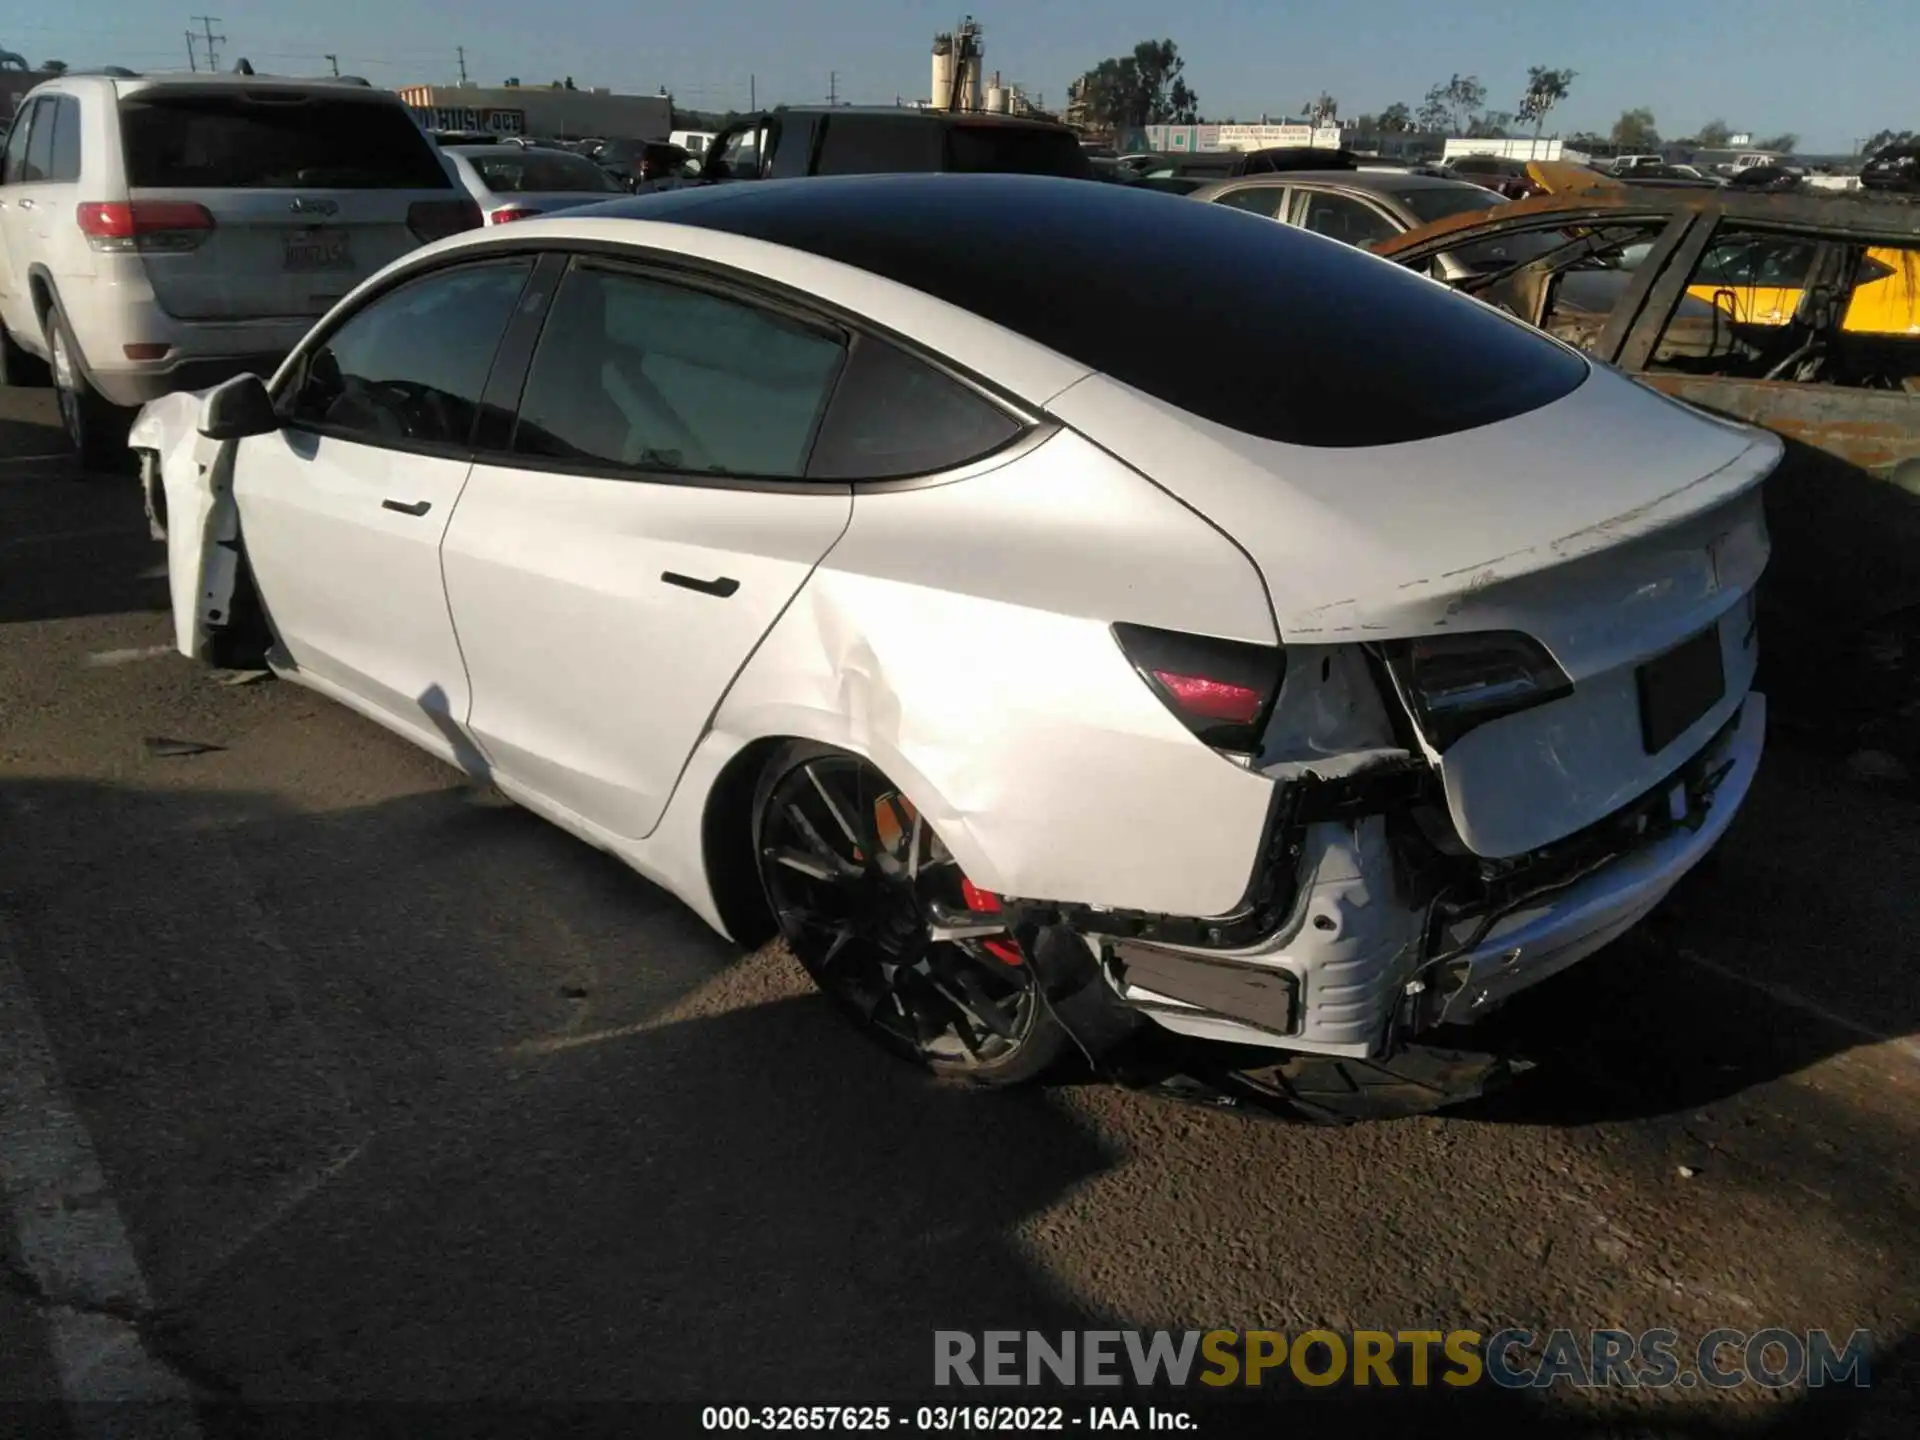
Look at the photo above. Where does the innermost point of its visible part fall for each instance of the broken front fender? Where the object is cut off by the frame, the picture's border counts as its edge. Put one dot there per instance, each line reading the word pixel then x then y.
pixel 194 475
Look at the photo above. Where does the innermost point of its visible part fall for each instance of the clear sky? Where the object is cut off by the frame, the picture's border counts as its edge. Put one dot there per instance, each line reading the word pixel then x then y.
pixel 1832 70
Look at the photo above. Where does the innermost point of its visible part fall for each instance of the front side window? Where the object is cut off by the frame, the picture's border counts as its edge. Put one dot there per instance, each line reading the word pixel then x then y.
pixel 638 374
pixel 409 368
pixel 879 145
pixel 1342 218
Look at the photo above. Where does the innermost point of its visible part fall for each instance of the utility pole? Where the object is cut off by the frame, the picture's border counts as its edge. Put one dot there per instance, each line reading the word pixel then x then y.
pixel 753 99
pixel 207 22
pixel 193 56
pixel 833 88
pixel 461 51
pixel 334 61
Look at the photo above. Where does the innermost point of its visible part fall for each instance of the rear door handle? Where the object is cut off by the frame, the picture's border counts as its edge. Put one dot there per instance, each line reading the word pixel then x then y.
pixel 418 507
pixel 722 587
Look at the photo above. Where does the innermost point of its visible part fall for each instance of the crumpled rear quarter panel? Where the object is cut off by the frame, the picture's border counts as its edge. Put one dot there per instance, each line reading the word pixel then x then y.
pixel 958 636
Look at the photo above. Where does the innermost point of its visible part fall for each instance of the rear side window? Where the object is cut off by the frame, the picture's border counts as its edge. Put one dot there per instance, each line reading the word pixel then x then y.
pixel 879 146
pixel 532 172
pixel 895 416
pixel 1259 199
pixel 1016 150
pixel 264 140
pixel 409 368
pixel 65 165
pixel 635 373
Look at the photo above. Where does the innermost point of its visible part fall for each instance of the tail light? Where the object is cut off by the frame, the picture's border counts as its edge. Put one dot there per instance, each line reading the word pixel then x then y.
pixel 431 220
pixel 508 213
pixel 147 227
pixel 1460 682
pixel 1222 690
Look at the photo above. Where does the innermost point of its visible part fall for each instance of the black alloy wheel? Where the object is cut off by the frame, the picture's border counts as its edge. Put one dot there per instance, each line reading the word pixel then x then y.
pixel 874 906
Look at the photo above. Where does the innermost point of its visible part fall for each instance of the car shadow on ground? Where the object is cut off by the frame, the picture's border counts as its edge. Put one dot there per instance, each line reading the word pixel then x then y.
pixel 71 544
pixel 367 1149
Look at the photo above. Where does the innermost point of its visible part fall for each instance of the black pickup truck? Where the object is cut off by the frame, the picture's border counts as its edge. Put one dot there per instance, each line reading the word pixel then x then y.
pixel 856 140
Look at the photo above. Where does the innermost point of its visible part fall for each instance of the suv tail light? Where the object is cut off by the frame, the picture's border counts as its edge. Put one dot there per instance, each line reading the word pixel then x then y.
pixel 1222 690
pixel 145 227
pixel 431 220
pixel 508 213
pixel 1459 682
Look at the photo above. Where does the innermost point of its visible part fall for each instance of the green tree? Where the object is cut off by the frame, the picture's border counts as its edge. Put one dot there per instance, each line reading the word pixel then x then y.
pixel 1323 109
pixel 1490 125
pixel 1877 143
pixel 1144 88
pixel 1453 106
pixel 1785 143
pixel 1714 135
pixel 1635 130
pixel 54 67
pixel 1546 88
pixel 1396 119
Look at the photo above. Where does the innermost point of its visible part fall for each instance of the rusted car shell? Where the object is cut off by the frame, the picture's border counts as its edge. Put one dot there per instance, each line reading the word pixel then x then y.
pixel 1843 592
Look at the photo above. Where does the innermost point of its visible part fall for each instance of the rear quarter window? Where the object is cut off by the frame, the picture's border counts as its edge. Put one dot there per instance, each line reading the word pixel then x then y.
pixel 261 140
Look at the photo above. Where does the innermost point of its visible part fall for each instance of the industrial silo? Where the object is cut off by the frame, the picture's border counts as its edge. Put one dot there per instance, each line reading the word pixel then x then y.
pixel 941 95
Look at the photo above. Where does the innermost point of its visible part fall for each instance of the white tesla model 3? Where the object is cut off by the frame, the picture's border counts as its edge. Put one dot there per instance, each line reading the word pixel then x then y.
pixel 1012 589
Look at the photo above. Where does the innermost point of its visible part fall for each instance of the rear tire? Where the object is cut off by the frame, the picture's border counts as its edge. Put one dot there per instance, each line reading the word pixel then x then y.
pixel 96 427
pixel 20 370
pixel 851 871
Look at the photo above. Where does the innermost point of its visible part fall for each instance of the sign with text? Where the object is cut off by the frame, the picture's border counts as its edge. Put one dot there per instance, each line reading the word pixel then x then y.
pixel 454 117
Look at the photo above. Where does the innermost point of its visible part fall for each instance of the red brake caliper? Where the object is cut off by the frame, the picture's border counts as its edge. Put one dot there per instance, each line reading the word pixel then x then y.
pixel 1004 951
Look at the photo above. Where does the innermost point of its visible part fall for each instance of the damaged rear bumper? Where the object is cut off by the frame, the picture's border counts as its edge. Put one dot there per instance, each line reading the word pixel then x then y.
pixel 1360 962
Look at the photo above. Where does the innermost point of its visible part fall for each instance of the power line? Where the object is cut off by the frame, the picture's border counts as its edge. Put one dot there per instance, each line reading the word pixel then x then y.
pixel 207 22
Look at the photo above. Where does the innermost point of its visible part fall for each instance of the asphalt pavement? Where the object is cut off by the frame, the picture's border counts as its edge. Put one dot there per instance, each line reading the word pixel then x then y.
pixel 334 1078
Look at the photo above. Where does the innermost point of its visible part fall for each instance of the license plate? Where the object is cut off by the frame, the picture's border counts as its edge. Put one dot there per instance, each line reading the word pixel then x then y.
pixel 318 250
pixel 1677 688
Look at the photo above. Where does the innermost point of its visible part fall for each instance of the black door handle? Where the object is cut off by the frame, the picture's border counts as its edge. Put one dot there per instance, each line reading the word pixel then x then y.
pixel 723 587
pixel 418 507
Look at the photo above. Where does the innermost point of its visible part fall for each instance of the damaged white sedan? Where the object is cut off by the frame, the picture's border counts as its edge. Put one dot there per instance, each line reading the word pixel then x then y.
pixel 1300 656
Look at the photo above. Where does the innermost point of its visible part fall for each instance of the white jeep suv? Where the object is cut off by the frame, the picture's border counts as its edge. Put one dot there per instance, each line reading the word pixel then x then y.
pixel 167 232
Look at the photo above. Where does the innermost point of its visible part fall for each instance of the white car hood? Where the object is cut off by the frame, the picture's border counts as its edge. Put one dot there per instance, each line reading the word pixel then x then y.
pixel 1391 541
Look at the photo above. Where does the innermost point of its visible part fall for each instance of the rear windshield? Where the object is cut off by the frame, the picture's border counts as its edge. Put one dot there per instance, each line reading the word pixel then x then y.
pixel 1016 150
pixel 530 172
pixel 261 140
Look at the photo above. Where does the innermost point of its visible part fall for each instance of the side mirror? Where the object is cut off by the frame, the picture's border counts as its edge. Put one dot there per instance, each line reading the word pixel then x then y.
pixel 237 409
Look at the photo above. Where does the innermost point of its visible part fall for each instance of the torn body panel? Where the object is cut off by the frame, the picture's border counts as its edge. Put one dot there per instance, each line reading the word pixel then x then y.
pixel 202 522
pixel 1052 770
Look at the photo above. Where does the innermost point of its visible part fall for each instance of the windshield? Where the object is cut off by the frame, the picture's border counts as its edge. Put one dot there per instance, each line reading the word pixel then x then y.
pixel 531 172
